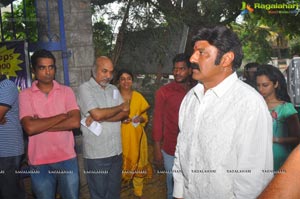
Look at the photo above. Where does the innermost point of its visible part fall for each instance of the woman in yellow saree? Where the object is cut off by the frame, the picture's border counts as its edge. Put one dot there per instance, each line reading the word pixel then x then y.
pixel 136 166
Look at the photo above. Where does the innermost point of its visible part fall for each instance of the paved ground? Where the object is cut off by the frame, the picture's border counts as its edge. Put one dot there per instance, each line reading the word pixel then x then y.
pixel 154 188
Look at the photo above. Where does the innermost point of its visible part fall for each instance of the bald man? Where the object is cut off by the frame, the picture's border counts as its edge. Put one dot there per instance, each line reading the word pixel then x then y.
pixel 101 102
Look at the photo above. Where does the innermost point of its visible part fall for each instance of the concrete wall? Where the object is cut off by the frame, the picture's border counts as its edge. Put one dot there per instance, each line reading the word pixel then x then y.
pixel 78 31
pixel 152 50
pixel 80 50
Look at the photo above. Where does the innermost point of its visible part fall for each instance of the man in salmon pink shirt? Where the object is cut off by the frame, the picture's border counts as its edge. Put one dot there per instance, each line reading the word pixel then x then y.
pixel 48 113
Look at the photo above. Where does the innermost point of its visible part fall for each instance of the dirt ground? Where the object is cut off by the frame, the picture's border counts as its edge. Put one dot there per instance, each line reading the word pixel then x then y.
pixel 154 188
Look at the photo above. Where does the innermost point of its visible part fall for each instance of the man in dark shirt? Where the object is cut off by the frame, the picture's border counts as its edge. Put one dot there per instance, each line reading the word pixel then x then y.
pixel 165 122
pixel 249 73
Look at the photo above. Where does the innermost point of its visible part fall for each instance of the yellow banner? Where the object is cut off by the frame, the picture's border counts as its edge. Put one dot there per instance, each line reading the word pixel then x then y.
pixel 9 62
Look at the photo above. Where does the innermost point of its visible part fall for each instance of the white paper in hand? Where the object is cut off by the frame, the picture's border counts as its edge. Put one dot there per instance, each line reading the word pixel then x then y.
pixel 135 124
pixel 115 94
pixel 95 127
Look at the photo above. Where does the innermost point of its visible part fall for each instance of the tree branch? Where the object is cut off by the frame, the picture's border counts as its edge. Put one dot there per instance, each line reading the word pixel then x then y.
pixel 102 2
pixel 120 37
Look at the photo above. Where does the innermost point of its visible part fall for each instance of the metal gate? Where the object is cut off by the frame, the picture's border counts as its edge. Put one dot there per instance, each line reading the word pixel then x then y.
pixel 18 21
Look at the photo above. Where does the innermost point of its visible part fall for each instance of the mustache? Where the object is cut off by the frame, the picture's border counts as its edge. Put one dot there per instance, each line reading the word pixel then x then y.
pixel 108 79
pixel 195 66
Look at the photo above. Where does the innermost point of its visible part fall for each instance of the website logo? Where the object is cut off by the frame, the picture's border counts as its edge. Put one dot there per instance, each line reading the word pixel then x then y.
pixel 246 8
pixel 271 8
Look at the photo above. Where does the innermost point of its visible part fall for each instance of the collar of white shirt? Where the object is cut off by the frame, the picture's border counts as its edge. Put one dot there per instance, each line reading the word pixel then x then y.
pixel 218 90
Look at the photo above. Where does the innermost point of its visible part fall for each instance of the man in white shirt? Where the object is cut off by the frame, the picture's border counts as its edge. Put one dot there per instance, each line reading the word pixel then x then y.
pixel 224 148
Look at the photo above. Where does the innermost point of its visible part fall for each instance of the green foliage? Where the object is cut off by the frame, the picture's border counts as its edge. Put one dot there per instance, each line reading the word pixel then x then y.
pixel 289 24
pixel 102 37
pixel 144 16
pixel 22 24
pixel 265 35
pixel 260 32
pixel 152 14
pixel 253 36
pixel 295 46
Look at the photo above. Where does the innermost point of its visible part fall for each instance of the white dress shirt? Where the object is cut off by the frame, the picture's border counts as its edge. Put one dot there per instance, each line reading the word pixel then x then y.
pixel 224 148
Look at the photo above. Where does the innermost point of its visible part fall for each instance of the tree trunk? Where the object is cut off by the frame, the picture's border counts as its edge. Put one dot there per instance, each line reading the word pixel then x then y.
pixel 120 37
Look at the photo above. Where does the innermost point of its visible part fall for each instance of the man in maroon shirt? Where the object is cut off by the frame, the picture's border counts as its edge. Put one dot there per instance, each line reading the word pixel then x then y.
pixel 165 122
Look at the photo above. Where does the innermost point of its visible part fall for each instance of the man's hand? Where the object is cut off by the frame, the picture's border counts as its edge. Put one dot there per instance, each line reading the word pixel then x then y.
pixel 138 119
pixel 3 121
pixel 126 121
pixel 158 157
pixel 3 111
pixel 88 121
pixel 34 125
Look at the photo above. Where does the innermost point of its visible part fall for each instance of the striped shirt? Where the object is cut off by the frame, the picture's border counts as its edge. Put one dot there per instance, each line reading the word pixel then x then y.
pixel 11 134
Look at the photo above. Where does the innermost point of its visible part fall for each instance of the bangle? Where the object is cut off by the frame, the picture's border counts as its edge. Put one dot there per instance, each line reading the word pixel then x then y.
pixel 276 139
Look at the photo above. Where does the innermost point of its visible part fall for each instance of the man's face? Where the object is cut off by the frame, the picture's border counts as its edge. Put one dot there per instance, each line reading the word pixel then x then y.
pixel 204 56
pixel 104 73
pixel 45 70
pixel 181 72
pixel 251 73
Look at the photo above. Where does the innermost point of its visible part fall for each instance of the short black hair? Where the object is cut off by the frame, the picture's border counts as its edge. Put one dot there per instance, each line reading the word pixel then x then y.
pixel 42 53
pixel 122 71
pixel 182 57
pixel 251 65
pixel 224 39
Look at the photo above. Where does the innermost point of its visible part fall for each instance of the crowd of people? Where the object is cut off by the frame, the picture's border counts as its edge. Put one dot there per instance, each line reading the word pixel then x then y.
pixel 214 135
